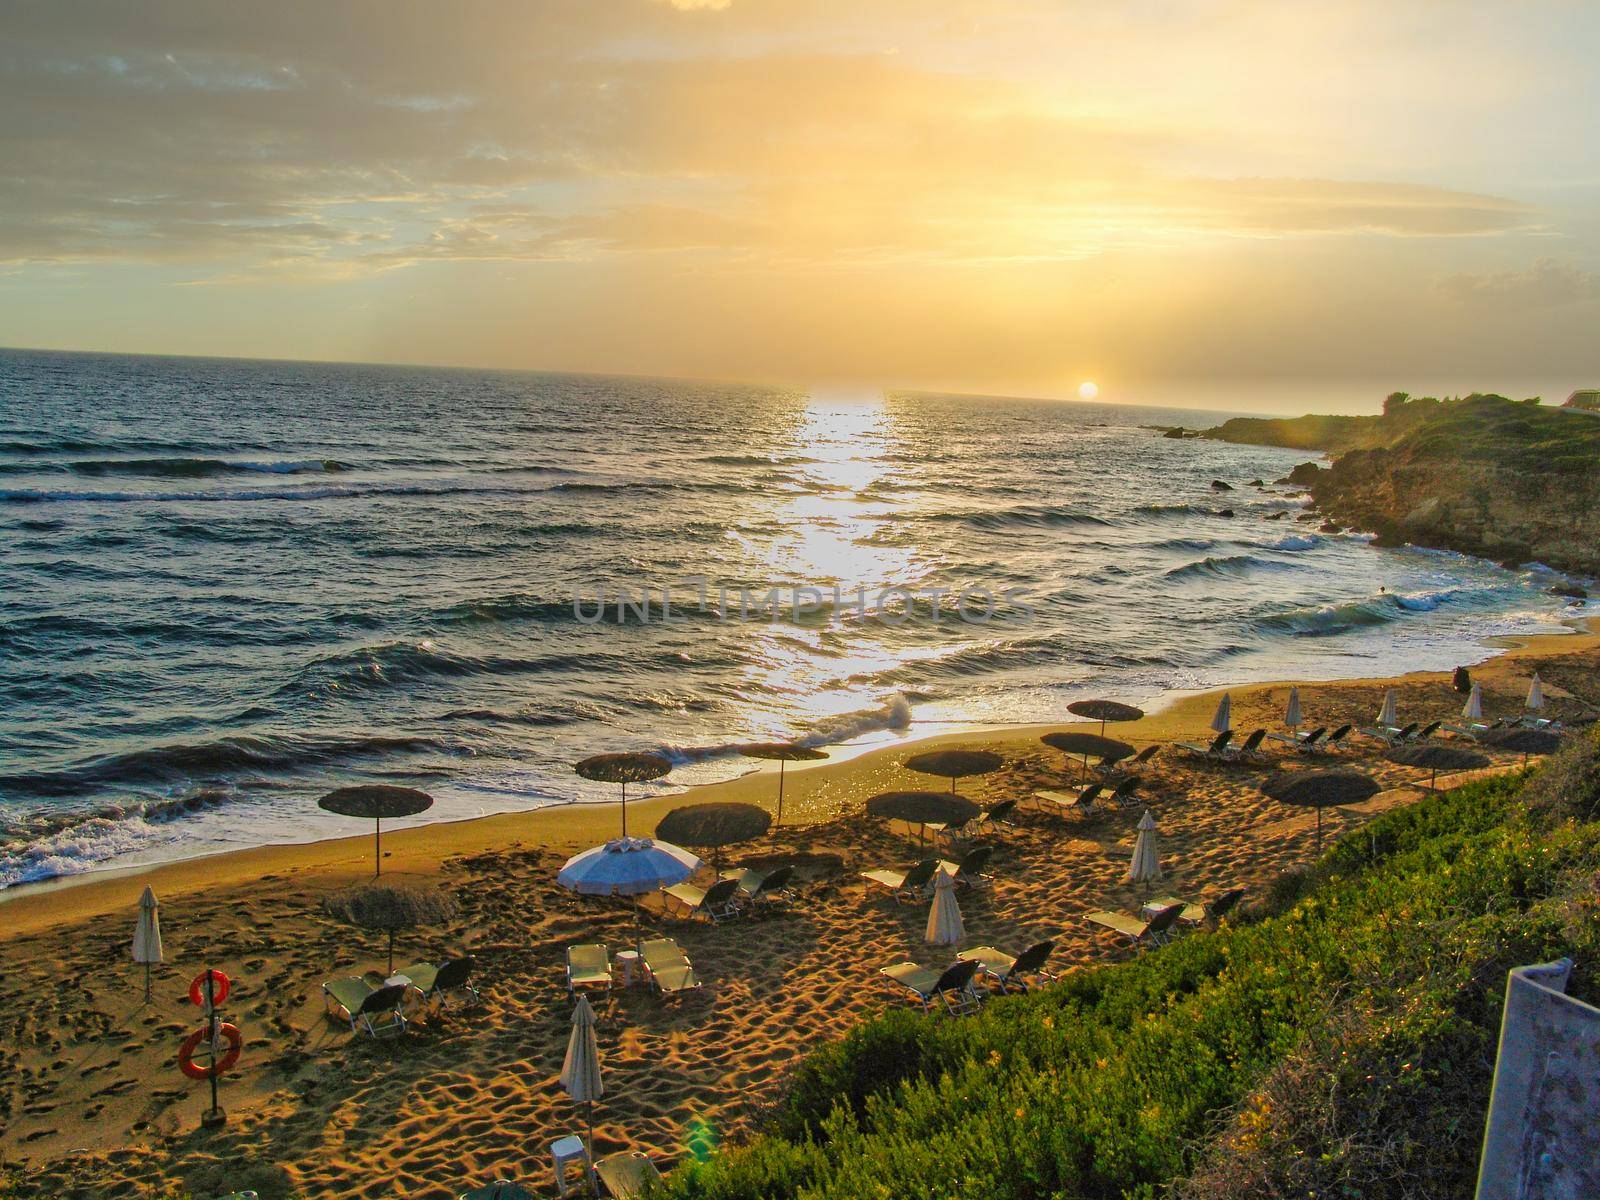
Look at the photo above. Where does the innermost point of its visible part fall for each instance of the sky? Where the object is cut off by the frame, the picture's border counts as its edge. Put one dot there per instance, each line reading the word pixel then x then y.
pixel 1226 204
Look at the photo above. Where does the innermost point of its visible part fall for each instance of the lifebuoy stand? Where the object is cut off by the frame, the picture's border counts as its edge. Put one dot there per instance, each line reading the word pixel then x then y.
pixel 209 989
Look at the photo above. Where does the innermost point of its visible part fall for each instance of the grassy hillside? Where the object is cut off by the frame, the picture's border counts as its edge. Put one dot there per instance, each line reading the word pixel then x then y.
pixel 1341 1044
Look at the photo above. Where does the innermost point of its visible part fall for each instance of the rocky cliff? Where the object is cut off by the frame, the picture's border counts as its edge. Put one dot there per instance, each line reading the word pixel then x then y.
pixel 1483 475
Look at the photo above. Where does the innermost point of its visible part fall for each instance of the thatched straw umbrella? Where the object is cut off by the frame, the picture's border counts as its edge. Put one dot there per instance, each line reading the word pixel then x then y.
pixel 390 908
pixel 713 826
pixel 955 764
pixel 376 801
pixel 1090 745
pixel 624 767
pixel 921 808
pixel 1320 790
pixel 781 753
pixel 1524 742
pixel 1104 710
pixel 1436 758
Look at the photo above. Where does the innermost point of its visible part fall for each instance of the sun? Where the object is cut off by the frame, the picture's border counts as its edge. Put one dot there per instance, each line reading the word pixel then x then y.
pixel 1088 390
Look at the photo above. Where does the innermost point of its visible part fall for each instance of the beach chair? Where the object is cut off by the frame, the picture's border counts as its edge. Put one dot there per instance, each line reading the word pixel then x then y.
pixel 1476 730
pixel 1306 742
pixel 949 832
pixel 500 1189
pixel 1335 739
pixel 1426 732
pixel 374 1011
pixel 626 1173
pixel 1152 932
pixel 438 984
pixel 716 903
pixel 907 887
pixel 1068 802
pixel 1010 971
pixel 952 985
pixel 1217 749
pixel 667 966
pixel 1390 735
pixel 968 872
pixel 1198 914
pixel 1123 795
pixel 763 887
pixel 588 966
pixel 997 816
pixel 1143 757
pixel 1249 748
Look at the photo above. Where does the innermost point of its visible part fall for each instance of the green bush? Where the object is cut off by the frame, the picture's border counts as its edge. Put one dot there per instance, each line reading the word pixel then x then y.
pixel 1319 1050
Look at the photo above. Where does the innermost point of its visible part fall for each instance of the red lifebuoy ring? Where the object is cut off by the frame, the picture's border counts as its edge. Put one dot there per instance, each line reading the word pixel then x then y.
pixel 225 1032
pixel 219 989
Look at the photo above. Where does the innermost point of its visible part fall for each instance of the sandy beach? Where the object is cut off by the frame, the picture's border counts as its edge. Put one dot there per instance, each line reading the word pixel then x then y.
pixel 94 1104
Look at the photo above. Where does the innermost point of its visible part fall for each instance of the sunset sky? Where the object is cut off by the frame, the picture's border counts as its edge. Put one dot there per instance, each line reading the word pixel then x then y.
pixel 1179 200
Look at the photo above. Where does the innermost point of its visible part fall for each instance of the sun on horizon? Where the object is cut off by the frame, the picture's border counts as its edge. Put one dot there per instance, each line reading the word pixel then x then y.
pixel 1088 390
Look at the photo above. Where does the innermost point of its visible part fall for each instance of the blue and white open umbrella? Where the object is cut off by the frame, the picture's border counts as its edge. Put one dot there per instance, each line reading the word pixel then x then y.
pixel 627 867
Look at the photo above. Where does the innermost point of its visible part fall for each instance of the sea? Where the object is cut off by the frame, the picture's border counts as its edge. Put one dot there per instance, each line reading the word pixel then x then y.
pixel 229 586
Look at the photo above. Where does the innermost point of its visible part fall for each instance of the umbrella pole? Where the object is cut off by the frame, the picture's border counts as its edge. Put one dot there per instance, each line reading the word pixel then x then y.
pixel 391 952
pixel 780 793
pixel 147 983
pixel 1319 829
pixel 377 846
pixel 624 808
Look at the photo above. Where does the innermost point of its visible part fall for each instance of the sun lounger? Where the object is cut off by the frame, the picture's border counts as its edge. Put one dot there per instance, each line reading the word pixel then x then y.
pixel 1071 802
pixel 715 903
pixel 1152 932
pixel 1010 971
pixel 1475 730
pixel 950 832
pixel 1335 739
pixel 375 1011
pixel 1196 914
pixel 1426 732
pixel 588 966
pixel 1144 756
pixel 1217 749
pixel 952 985
pixel 1249 748
pixel 763 887
pixel 437 984
pixel 627 1173
pixel 668 967
pixel 906 886
pixel 1306 743
pixel 1389 734
pixel 1123 795
pixel 969 871
pixel 501 1189
pixel 997 816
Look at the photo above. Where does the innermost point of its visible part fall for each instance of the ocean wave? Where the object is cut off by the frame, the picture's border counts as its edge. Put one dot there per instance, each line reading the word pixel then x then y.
pixel 1228 566
pixel 1331 619
pixel 1297 541
pixel 182 468
pixel 1174 510
pixel 1035 516
pixel 245 495
pixel 185 762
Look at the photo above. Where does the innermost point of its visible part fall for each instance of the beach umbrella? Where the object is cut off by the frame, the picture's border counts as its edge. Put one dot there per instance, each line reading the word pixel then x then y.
pixel 1291 716
pixel 921 808
pixel 390 908
pixel 1473 709
pixel 1104 710
pixel 147 935
pixel 944 918
pixel 955 764
pixel 1437 757
pixel 1223 721
pixel 580 1070
pixel 375 801
pixel 781 753
pixel 1090 745
pixel 1320 790
pixel 627 867
pixel 713 826
pixel 1145 866
pixel 1535 699
pixel 1387 717
pixel 625 767
pixel 1524 742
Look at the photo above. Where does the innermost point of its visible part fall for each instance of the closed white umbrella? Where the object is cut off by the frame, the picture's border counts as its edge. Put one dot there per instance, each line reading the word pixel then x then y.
pixel 944 918
pixel 1224 717
pixel 1473 711
pixel 627 867
pixel 1291 718
pixel 1145 866
pixel 1535 699
pixel 580 1071
pixel 147 935
pixel 1386 715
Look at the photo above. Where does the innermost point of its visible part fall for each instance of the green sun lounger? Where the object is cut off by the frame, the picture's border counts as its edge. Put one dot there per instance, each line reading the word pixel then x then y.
pixel 627 1173
pixel 668 966
pixel 588 966
pixel 375 1011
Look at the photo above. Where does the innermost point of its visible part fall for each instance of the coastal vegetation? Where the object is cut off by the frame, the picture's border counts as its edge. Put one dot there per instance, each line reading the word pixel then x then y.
pixel 1339 1040
pixel 1517 482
